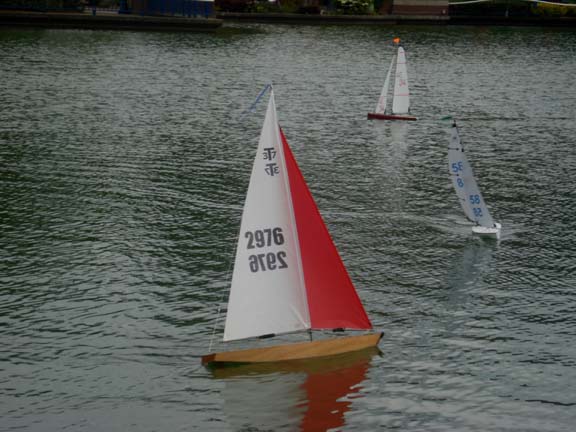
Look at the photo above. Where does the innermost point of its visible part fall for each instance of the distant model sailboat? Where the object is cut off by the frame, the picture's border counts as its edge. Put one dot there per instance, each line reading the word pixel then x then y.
pixel 401 96
pixel 467 189
pixel 288 275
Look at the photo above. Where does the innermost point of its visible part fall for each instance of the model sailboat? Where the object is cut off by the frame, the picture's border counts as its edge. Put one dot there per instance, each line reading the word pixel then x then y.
pixel 467 189
pixel 401 95
pixel 288 275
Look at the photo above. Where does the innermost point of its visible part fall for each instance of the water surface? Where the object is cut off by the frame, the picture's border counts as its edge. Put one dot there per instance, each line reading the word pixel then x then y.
pixel 124 160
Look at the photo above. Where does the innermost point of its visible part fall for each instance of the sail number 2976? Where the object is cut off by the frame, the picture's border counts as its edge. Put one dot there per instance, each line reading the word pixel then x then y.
pixel 268 260
pixel 265 237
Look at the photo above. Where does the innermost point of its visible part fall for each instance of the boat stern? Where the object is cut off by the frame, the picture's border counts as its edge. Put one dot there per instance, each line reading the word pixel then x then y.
pixel 493 232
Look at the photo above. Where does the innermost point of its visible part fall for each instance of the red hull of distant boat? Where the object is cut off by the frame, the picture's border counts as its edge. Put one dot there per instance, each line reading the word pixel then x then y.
pixel 375 116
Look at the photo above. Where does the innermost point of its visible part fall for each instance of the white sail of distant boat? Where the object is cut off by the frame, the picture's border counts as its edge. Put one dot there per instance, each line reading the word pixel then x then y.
pixel 467 189
pixel 288 275
pixel 401 93
pixel 383 99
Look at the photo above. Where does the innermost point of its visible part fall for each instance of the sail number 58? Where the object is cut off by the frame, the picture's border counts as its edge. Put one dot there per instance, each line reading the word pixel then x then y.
pixel 457 166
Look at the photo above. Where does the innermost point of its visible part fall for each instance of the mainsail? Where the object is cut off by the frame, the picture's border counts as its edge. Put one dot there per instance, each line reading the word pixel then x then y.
pixel 465 184
pixel 401 100
pixel 260 302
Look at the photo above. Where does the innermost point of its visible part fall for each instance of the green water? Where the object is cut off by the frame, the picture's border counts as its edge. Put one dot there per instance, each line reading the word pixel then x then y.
pixel 124 160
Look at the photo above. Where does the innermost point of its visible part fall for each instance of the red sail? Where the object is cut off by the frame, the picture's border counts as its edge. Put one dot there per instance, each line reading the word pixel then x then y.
pixel 332 299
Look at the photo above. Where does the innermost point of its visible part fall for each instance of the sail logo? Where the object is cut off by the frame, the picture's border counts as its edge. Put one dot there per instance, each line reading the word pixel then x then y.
pixel 271 167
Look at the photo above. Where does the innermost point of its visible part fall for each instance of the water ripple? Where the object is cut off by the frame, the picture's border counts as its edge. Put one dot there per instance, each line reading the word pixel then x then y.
pixel 124 160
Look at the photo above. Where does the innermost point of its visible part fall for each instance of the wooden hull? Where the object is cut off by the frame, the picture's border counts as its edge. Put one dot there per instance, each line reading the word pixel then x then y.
pixel 376 116
pixel 296 351
pixel 314 366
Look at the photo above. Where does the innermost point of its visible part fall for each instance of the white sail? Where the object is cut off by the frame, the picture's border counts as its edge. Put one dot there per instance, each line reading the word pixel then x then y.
pixel 401 100
pixel 383 100
pixel 465 184
pixel 456 162
pixel 267 293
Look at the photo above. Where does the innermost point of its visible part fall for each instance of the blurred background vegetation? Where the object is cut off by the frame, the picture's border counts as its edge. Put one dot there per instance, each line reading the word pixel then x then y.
pixel 43 5
pixel 512 8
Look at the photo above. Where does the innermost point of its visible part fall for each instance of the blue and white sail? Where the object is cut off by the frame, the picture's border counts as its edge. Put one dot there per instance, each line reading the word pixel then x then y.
pixel 467 188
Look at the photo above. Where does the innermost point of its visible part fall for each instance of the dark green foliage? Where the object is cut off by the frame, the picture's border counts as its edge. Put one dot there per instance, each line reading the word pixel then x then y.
pixel 42 5
pixel 354 7
pixel 548 10
pixel 235 5
pixel 265 6
pixel 496 8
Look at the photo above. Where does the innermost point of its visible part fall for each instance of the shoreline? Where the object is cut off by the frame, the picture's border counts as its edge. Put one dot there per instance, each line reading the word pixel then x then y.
pixel 286 18
pixel 282 18
pixel 115 21
pixel 107 21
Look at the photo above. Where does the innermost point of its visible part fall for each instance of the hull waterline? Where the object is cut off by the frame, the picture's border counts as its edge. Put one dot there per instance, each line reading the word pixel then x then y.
pixel 493 232
pixel 376 116
pixel 295 351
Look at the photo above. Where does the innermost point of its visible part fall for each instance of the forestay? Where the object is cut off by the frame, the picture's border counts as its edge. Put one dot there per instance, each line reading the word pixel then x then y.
pixel 465 184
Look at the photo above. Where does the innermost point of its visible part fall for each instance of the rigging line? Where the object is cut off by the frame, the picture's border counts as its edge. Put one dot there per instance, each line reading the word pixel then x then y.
pixel 253 106
pixel 229 271
pixel 552 3
pixel 468 2
pixel 228 278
